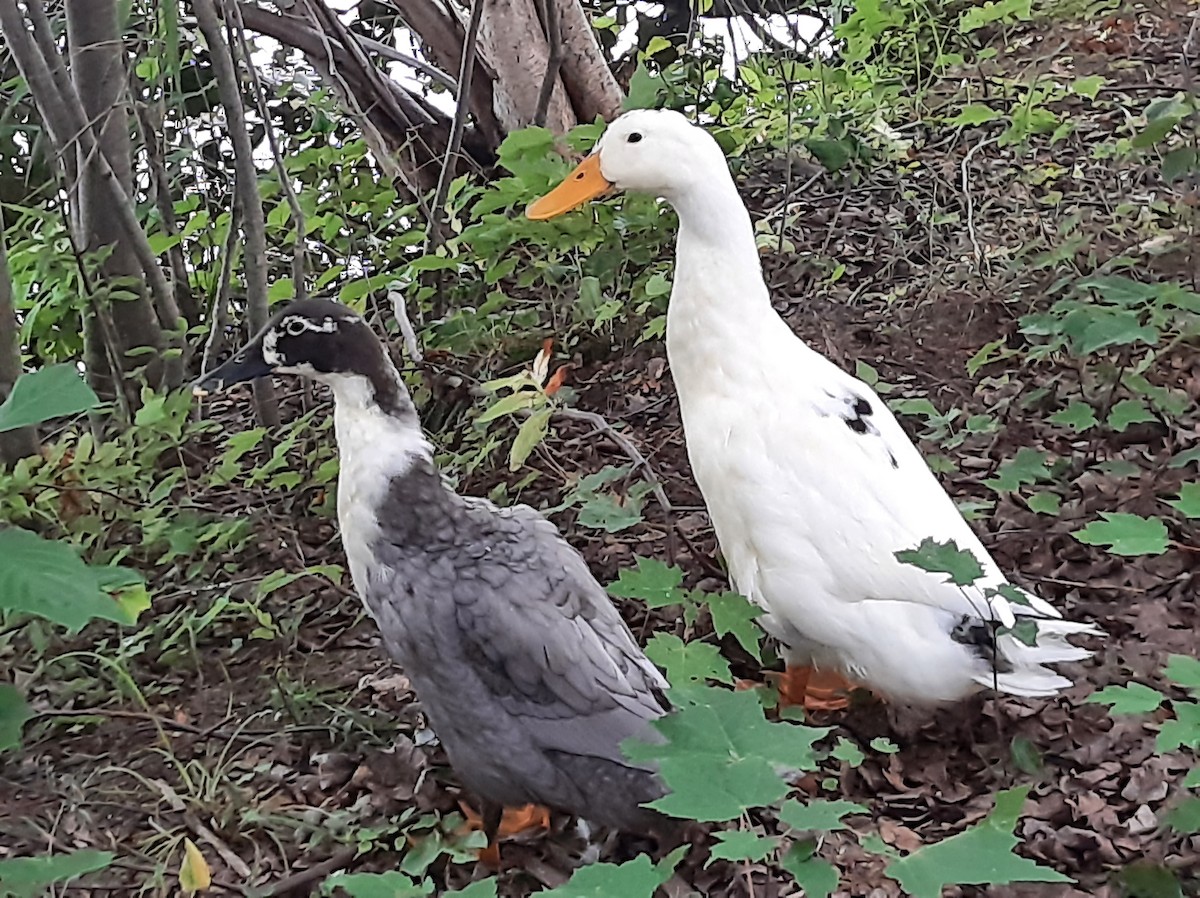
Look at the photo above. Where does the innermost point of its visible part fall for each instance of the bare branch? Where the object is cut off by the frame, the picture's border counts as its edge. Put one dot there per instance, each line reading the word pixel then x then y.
pixel 553 61
pixel 233 16
pixel 246 187
pixel 218 316
pixel 465 72
pixel 399 309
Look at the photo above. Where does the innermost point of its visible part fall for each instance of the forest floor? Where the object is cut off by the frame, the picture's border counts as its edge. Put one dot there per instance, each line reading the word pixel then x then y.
pixel 281 756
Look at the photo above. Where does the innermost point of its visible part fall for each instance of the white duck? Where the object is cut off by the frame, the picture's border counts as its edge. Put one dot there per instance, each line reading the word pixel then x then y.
pixel 811 483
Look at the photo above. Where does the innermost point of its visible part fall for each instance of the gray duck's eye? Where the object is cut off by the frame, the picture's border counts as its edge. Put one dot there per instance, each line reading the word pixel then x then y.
pixel 294 327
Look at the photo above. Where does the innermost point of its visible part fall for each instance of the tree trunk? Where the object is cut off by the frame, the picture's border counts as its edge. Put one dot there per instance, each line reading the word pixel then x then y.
pixel 513 44
pixel 14 444
pixel 98 73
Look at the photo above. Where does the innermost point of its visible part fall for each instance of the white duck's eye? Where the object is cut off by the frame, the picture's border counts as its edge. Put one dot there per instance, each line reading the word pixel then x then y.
pixel 634 137
pixel 294 327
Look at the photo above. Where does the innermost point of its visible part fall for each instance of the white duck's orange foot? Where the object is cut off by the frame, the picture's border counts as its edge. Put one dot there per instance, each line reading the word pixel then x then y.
pixel 814 690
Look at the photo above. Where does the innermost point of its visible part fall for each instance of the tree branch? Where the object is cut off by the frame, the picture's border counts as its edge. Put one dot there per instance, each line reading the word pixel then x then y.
pixel 246 187
pixel 465 72
pixel 553 61
pixel 233 15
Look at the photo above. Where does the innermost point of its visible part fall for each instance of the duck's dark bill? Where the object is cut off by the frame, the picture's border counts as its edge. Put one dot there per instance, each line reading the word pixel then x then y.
pixel 248 364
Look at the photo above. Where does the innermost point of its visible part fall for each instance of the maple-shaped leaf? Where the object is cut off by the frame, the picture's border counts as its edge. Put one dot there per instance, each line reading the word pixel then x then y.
pixel 1184 730
pixel 943 558
pixel 1126 534
pixel 826 815
pixel 653 582
pixel 375 885
pixel 1028 466
pixel 733 613
pixel 687 662
pixel 1188 502
pixel 721 754
pixel 816 877
pixel 739 845
pixel 1135 698
pixel 982 854
pixel 1128 412
pixel 638 878
pixel 1185 671
pixel 1079 416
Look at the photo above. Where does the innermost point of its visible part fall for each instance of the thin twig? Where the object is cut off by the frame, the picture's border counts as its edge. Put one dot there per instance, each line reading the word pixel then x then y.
pixel 399 309
pixel 465 71
pixel 218 318
pixel 639 461
pixel 233 21
pixel 553 61
pixel 341 858
pixel 966 189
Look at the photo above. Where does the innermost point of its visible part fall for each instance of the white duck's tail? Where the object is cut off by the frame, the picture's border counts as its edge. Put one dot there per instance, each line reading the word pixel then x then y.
pixel 1022 666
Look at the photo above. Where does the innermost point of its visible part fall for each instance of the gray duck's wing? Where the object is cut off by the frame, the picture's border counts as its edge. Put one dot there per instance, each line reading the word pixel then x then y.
pixel 545 639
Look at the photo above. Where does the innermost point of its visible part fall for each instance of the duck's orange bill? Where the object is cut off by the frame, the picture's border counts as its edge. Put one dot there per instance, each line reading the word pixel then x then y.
pixel 583 184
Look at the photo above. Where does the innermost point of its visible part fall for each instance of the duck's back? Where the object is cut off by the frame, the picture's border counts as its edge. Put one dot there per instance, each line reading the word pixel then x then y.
pixel 527 672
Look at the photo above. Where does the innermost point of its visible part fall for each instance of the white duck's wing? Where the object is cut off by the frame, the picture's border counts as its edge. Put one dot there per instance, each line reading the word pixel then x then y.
pixel 842 489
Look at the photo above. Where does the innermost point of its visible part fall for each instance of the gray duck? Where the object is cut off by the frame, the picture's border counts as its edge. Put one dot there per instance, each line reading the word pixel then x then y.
pixel 526 671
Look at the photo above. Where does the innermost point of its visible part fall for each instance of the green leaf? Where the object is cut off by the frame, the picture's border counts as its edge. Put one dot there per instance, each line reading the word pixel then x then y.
pixel 1185 816
pixel 13 714
pixel 1107 329
pixel 1183 730
pixel 823 815
pixel 375 885
pixel 1045 503
pixel 1185 671
pixel 884 745
pixel 1088 86
pixel 481 888
pixel 1027 466
pixel 733 613
pixel 974 114
pixel 847 751
pixel 1025 756
pixel 1135 698
pixel 833 154
pixel 1000 11
pixel 644 89
pixel 30 877
pixel 1179 163
pixel 47 578
pixel 1192 780
pixel 737 845
pixel 721 753
pixel 652 581
pixel 818 878
pixel 637 878
pixel 981 855
pixel 657 44
pixel 687 661
pixel 52 392
pixel 1185 458
pixel 1078 416
pixel 1127 412
pixel 1188 502
pixel 943 558
pixel 283 288
pixel 531 432
pixel 1146 879
pixel 1126 534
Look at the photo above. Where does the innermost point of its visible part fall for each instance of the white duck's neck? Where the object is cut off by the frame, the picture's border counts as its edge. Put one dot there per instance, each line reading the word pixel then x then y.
pixel 719 297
